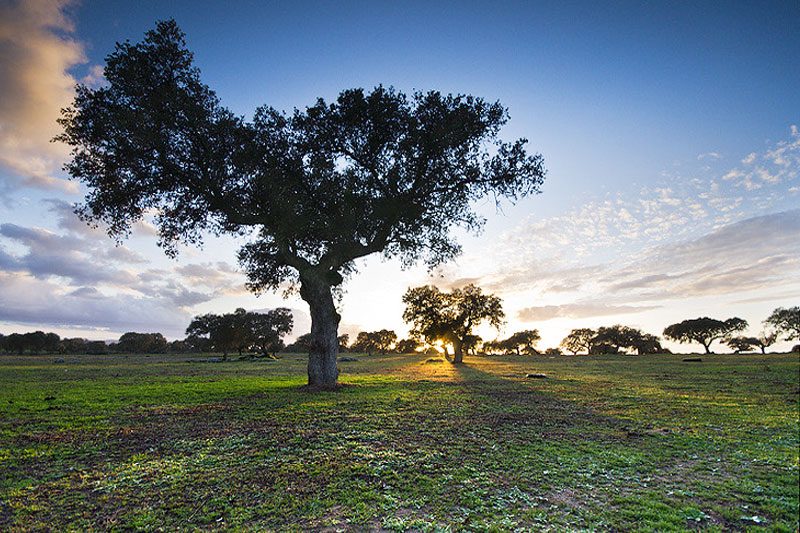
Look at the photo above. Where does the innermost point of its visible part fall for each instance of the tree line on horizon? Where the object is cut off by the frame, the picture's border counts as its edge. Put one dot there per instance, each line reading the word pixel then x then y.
pixel 435 328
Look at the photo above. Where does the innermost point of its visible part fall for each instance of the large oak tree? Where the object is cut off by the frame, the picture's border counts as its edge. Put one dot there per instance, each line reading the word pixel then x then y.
pixel 314 189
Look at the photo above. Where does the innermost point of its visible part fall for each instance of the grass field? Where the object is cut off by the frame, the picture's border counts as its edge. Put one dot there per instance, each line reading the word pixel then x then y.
pixel 606 442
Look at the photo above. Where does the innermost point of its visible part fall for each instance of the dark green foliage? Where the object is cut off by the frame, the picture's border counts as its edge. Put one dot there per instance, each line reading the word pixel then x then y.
pixel 742 344
pixel 35 342
pixel 301 345
pixel 133 342
pixel 242 330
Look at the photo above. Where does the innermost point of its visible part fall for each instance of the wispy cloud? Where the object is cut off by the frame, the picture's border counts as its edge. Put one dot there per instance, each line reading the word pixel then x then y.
pixel 759 253
pixel 578 310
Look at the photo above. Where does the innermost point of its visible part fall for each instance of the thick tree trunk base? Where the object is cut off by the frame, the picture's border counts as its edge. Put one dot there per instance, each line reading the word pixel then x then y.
pixel 323 374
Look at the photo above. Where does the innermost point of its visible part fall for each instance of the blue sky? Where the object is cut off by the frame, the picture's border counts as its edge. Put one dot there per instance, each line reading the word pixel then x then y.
pixel 668 129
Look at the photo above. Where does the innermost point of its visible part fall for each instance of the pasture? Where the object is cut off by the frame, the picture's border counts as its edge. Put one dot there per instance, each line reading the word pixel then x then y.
pixel 608 442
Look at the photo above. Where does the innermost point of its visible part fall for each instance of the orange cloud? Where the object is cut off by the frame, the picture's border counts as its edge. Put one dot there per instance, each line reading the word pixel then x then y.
pixel 37 54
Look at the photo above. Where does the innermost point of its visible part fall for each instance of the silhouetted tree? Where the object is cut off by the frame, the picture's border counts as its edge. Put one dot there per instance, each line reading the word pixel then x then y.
pixel 704 330
pixel 578 339
pixel 407 346
pixel 470 343
pixel 386 339
pixel 766 339
pixel 344 341
pixel 366 341
pixel 72 346
pixel 522 342
pixel 742 344
pixel 450 317
pixel 786 322
pixel 15 343
pixel 645 343
pixel 372 172
pixel 618 338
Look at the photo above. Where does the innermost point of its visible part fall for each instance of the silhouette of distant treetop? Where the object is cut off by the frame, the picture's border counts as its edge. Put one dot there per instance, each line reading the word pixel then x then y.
pixel 704 330
pixel 316 189
pixel 785 321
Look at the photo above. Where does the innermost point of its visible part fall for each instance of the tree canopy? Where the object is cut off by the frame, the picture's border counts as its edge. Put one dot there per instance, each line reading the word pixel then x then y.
pixel 243 330
pixel 579 339
pixel 315 189
pixel 450 316
pixel 704 330
pixel 786 322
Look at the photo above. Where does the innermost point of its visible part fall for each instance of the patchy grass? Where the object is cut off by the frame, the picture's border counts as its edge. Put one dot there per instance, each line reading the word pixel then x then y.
pixel 605 443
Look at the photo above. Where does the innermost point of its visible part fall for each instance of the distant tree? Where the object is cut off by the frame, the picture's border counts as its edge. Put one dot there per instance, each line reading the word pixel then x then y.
pixel 96 348
pixel 374 172
pixel 366 341
pixel 578 339
pixel 704 330
pixel 15 343
pixel 179 346
pixel 385 339
pixel 72 346
pixel 522 342
pixel 612 339
pixel 265 331
pixel 785 322
pixel 766 339
pixel 133 342
pixel 225 332
pixel 450 317
pixel 645 343
pixel 301 345
pixel 742 344
pixel 197 343
pixel 494 347
pixel 407 346
pixel 470 344
pixel 344 341
pixel 623 339
pixel 552 351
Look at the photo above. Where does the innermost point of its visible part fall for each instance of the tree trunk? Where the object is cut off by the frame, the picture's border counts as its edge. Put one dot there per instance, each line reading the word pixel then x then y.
pixel 707 347
pixel 458 354
pixel 322 370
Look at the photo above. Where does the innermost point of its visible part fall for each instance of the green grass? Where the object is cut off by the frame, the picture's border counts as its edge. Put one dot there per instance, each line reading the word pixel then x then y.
pixel 645 443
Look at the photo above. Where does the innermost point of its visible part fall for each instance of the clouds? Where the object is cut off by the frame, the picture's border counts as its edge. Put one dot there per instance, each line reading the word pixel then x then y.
pixel 78 277
pixel 25 299
pixel 577 310
pixel 759 254
pixel 36 54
